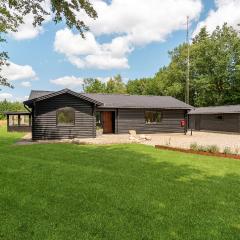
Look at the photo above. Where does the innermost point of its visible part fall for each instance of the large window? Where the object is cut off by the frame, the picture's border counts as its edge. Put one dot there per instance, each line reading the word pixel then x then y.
pixel 66 116
pixel 13 120
pixel 24 120
pixel 153 117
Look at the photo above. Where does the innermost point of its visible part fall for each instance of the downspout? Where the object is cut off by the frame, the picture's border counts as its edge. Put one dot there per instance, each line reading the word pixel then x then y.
pixel 26 107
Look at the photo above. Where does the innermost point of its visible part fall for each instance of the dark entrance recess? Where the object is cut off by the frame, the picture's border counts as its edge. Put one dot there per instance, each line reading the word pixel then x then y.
pixel 108 119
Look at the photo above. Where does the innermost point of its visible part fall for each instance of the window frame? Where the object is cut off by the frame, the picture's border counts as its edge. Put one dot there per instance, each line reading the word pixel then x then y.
pixel 155 112
pixel 65 124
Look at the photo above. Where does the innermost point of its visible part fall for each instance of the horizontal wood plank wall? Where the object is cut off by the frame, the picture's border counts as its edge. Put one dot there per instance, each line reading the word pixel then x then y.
pixel 134 119
pixel 228 124
pixel 44 121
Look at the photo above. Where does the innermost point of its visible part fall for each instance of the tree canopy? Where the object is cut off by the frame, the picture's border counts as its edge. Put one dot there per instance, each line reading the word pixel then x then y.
pixel 12 14
pixel 10 106
pixel 113 85
pixel 214 70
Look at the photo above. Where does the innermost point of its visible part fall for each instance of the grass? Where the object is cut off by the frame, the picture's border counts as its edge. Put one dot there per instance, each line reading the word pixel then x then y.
pixel 66 191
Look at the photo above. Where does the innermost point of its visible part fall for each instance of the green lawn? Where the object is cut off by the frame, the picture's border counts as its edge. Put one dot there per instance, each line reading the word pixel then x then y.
pixel 65 191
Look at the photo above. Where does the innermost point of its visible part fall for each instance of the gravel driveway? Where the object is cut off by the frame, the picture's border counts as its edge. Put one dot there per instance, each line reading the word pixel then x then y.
pixel 222 140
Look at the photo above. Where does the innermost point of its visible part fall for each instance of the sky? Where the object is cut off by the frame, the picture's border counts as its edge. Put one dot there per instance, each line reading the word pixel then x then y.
pixel 129 37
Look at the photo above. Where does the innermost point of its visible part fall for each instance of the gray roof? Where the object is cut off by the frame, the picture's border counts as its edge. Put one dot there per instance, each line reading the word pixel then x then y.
pixel 216 109
pixel 137 101
pixel 125 100
pixel 36 94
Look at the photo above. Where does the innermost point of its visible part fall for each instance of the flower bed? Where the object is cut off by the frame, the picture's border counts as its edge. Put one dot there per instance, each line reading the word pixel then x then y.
pixel 198 152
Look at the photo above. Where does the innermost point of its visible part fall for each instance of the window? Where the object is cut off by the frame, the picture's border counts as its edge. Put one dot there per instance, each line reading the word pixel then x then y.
pixel 24 120
pixel 153 117
pixel 219 117
pixel 66 116
pixel 98 119
pixel 13 120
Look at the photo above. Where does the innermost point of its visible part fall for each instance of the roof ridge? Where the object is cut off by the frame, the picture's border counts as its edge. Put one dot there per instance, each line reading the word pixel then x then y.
pixel 126 94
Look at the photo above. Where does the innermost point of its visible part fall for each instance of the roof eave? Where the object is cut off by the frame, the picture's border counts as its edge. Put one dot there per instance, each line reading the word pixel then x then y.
pixel 146 107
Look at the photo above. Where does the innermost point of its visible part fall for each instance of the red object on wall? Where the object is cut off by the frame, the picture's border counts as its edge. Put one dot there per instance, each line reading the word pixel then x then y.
pixel 182 123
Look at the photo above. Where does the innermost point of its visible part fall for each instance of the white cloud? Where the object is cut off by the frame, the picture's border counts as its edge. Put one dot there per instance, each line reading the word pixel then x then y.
pixel 88 53
pixel 12 98
pixel 143 21
pixel 7 96
pixel 68 81
pixel 27 30
pixel 132 23
pixel 227 11
pixel 26 84
pixel 73 82
pixel 18 72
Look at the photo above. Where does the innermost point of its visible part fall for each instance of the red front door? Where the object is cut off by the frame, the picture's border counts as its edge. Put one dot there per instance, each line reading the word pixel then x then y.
pixel 107 122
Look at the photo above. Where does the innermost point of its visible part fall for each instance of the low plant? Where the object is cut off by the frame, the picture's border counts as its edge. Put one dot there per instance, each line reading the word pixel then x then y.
pixel 168 142
pixel 236 150
pixel 227 150
pixel 213 149
pixel 202 148
pixel 194 146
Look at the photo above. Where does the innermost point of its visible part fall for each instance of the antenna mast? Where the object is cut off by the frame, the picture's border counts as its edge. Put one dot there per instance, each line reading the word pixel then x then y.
pixel 188 64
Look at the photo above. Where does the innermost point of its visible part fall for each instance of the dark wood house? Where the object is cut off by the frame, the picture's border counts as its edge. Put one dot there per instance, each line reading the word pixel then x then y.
pixel 219 118
pixel 67 114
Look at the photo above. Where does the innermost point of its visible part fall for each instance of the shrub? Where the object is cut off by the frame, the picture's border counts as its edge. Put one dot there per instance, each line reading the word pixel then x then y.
pixel 202 148
pixel 227 150
pixel 213 149
pixel 194 146
pixel 236 150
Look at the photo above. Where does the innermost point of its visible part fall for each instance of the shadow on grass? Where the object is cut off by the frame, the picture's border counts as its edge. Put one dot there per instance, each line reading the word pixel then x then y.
pixel 64 191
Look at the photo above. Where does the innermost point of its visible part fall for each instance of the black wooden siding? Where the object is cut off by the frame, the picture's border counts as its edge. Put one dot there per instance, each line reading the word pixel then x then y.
pixel 44 119
pixel 229 123
pixel 134 119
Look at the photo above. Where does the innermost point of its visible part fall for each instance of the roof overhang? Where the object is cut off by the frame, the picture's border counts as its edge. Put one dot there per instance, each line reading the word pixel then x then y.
pixel 17 113
pixel 64 91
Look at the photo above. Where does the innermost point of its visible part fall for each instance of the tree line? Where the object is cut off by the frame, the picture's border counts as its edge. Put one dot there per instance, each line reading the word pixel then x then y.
pixel 214 72
pixel 6 106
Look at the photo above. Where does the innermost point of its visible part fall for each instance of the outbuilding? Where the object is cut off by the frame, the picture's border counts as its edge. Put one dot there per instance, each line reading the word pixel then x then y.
pixel 218 118
pixel 19 121
pixel 68 114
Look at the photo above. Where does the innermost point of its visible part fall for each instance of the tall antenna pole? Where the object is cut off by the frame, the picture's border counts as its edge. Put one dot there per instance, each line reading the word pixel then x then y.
pixel 188 64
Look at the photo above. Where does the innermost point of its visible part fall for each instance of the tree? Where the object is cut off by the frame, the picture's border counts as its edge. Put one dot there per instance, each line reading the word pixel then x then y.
pixel 92 85
pixel 214 70
pixel 139 86
pixel 116 85
pixel 113 85
pixel 10 106
pixel 12 14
